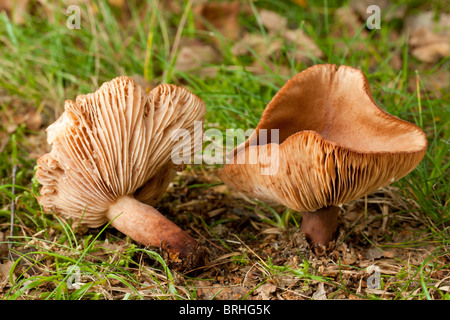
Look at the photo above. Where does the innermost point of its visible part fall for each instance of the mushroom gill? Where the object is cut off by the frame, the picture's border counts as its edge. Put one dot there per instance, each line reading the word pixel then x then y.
pixel 110 146
pixel 335 145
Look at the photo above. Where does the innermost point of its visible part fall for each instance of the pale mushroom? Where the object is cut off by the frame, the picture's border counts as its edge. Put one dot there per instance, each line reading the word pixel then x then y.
pixel 111 151
pixel 335 145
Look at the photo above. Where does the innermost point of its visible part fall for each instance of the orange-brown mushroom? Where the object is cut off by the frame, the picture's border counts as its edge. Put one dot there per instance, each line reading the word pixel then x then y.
pixel 111 152
pixel 335 145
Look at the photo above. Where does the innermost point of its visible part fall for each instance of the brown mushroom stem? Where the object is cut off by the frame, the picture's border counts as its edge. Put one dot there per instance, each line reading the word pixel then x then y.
pixel 320 226
pixel 147 226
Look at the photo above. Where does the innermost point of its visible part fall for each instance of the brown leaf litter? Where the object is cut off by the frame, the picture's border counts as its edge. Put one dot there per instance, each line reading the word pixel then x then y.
pixel 197 57
pixel 249 258
pixel 429 39
pixel 218 16
pixel 247 262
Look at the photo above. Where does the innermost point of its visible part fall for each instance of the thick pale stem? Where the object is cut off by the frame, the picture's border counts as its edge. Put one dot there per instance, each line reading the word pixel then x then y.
pixel 320 226
pixel 147 226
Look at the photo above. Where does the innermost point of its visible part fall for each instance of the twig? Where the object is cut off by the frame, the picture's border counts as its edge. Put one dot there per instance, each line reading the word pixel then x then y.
pixel 13 208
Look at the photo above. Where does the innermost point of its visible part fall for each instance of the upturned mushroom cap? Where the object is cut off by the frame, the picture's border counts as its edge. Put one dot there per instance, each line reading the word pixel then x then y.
pixel 335 143
pixel 113 143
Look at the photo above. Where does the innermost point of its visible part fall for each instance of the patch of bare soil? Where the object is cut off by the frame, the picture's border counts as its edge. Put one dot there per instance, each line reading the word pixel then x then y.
pixel 381 249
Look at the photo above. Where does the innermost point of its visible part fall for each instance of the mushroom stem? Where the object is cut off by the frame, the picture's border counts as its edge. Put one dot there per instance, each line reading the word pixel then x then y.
pixel 147 226
pixel 320 226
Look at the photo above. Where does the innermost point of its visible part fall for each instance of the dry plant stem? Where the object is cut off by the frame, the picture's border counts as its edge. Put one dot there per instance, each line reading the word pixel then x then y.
pixel 13 208
pixel 320 226
pixel 147 226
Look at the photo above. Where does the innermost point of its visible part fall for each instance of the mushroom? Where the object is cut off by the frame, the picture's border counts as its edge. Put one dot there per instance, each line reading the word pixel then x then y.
pixel 335 145
pixel 110 160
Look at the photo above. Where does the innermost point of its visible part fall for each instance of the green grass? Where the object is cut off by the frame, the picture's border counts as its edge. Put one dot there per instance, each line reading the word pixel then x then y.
pixel 43 63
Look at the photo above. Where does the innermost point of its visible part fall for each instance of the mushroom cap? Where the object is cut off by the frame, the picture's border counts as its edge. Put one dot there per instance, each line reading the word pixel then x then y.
pixel 335 143
pixel 114 142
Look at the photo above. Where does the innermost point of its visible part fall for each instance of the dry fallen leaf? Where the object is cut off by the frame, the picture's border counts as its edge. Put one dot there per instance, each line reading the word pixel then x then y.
pixel 433 49
pixel 31 119
pixel 256 43
pixel 320 293
pixel 5 268
pixel 306 47
pixel 347 24
pixel 265 291
pixel 17 9
pixel 272 21
pixel 4 138
pixel 218 16
pixel 208 291
pixel 373 253
pixel 429 40
pixel 194 56
pixel 269 48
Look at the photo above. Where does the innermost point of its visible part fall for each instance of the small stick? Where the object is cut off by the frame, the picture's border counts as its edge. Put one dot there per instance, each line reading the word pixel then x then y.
pixel 13 206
